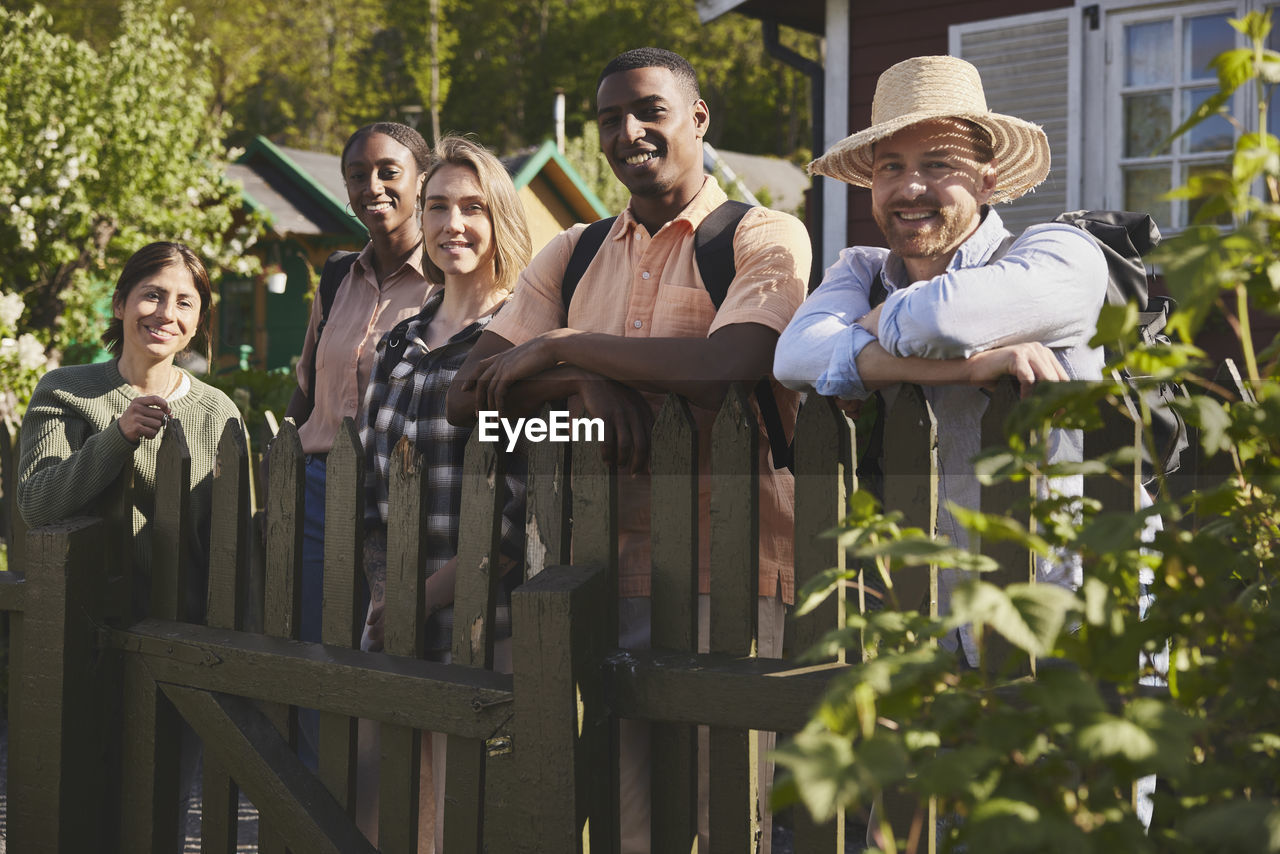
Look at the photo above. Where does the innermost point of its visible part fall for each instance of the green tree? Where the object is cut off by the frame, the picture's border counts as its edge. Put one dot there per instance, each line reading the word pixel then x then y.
pixel 102 151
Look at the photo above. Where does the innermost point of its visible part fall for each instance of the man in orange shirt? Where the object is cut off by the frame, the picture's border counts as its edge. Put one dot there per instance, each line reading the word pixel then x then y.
pixel 641 325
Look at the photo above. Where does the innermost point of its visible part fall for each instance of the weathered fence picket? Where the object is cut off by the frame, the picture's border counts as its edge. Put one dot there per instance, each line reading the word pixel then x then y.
pixel 733 816
pixel 342 623
pixel 825 477
pixel 674 598
pixel 228 586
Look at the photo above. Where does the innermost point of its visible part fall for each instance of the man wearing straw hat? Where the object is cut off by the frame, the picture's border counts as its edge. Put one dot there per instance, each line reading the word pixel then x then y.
pixel 955 302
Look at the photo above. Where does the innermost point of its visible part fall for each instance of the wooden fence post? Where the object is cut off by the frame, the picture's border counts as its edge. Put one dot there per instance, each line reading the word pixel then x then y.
pixel 342 623
pixel 674 593
pixel 911 487
pixel 547 507
pixel 562 723
pixel 479 542
pixel 595 542
pixel 825 452
pixel 152 728
pixel 1010 498
pixel 734 816
pixel 402 621
pixel 58 792
pixel 282 587
pixel 229 532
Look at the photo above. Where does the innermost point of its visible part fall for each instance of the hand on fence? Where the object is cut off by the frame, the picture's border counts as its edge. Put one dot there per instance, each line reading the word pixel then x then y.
pixel 628 421
pixel 371 640
pixel 1027 363
pixel 144 417
pixel 498 373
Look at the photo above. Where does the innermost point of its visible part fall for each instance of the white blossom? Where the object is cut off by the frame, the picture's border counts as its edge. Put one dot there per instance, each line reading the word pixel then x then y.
pixel 30 352
pixel 11 308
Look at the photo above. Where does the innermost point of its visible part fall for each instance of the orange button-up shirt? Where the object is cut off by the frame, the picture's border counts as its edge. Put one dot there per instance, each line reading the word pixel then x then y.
pixel 649 286
pixel 362 312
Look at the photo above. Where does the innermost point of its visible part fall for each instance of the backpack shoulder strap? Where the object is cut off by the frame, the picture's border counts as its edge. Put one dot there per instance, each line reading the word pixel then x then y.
pixel 331 277
pixel 589 243
pixel 713 248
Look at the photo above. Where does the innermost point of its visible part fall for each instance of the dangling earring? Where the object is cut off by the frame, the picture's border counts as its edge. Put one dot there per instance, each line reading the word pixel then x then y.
pixel 349 210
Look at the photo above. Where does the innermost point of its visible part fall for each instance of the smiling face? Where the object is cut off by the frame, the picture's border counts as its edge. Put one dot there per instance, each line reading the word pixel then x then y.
pixel 383 183
pixel 927 188
pixel 457 225
pixel 651 130
pixel 159 315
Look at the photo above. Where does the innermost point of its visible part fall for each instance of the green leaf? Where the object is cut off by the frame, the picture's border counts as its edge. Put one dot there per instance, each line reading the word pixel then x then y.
pixel 1029 616
pixel 1114 737
pixel 1238 825
pixel 998 529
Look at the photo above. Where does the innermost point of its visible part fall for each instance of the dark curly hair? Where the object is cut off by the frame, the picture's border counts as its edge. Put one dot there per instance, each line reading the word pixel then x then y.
pixel 147 262
pixel 655 57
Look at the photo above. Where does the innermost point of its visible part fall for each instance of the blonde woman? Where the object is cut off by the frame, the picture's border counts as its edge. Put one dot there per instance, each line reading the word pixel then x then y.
pixel 476 243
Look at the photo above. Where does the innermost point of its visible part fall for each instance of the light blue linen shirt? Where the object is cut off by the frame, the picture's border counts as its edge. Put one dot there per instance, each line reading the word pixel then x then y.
pixel 1048 287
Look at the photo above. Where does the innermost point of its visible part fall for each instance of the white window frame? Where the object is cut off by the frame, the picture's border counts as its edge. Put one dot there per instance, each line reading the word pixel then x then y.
pixel 1103 67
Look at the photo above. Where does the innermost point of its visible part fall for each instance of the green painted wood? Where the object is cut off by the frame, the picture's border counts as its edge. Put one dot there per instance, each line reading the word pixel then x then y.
pixel 734 820
pixel 297 804
pixel 910 486
pixel 228 586
pixel 1010 499
pixel 404 692
pixel 547 505
pixel 171 526
pixel 342 621
pixel 563 727
pixel 149 806
pixel 825 453
pixel 402 621
pixel 57 786
pixel 282 589
pixel 674 593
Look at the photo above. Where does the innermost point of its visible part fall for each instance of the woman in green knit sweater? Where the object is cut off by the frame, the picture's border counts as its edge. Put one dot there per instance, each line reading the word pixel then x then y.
pixel 86 423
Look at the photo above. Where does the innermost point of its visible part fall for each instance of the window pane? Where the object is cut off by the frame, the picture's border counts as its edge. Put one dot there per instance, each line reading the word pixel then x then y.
pixel 1213 134
pixel 1148 54
pixel 1194 205
pixel 1143 189
pixel 1148 119
pixel 1204 38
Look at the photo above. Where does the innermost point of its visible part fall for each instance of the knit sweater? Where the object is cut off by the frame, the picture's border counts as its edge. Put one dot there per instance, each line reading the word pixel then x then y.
pixel 72 450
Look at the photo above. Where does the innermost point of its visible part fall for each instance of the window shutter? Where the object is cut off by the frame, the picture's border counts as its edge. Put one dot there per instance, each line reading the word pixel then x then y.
pixel 1029 67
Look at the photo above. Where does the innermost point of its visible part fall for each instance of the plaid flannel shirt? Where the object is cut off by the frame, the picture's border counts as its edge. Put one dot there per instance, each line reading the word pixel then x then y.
pixel 406 397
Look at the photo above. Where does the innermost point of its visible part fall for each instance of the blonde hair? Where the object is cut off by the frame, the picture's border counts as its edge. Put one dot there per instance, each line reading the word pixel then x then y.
pixel 513 247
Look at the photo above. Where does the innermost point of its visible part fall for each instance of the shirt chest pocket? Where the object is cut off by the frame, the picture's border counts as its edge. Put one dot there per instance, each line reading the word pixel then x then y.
pixel 682 312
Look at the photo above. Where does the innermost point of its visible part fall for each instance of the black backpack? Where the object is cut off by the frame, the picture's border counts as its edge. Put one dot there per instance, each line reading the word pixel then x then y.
pixel 1124 237
pixel 713 249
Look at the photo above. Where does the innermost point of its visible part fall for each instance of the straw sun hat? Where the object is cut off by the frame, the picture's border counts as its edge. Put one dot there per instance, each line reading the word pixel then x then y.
pixel 935 87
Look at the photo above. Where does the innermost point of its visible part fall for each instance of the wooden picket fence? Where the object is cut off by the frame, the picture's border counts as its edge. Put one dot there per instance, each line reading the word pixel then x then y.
pixel 98 697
